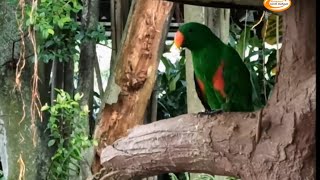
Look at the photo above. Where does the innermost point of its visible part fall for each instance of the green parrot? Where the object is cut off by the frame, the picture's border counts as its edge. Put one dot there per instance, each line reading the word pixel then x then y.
pixel 222 80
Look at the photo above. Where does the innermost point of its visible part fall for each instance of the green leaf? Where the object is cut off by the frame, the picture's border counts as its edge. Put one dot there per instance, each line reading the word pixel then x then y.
pixel 243 42
pixel 44 34
pixel 95 142
pixel 59 98
pixel 173 176
pixel 85 109
pixel 166 62
pixel 28 22
pixel 51 142
pixel 173 82
pixel 255 42
pixel 60 24
pixel 66 19
pixel 45 107
pixel 78 97
pixel 50 31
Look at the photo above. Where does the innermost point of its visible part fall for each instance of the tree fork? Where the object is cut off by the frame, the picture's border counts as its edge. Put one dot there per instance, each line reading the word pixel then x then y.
pixel 225 144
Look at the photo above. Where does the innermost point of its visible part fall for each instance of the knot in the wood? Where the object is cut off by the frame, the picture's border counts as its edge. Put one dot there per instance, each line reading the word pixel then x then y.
pixel 137 81
pixel 147 18
pixel 134 82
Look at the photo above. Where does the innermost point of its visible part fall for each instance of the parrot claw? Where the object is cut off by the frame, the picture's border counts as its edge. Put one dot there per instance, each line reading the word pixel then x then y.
pixel 209 113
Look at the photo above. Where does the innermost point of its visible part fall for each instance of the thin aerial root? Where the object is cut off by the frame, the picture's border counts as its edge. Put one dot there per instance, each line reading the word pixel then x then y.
pixel 35 100
pixel 260 20
pixel 22 168
pixel 21 61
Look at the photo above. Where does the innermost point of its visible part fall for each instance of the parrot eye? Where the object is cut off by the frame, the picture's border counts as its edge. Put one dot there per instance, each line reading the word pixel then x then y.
pixel 190 30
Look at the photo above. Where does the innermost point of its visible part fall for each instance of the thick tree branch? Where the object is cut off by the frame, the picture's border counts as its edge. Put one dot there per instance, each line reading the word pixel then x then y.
pixel 249 4
pixel 218 145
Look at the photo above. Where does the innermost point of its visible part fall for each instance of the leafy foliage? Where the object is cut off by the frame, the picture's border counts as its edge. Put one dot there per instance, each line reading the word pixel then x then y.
pixel 56 28
pixel 172 89
pixel 58 32
pixel 67 133
pixel 261 68
pixel 179 176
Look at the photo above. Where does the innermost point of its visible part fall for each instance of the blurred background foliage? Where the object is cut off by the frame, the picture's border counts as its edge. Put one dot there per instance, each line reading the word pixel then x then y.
pixel 172 88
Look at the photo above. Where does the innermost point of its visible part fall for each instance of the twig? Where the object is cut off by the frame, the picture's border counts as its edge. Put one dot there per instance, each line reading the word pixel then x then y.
pixel 261 18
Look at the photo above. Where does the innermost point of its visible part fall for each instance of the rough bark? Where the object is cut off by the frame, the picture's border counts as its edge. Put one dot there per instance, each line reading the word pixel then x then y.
pixel 119 14
pixel 88 59
pixel 224 144
pixel 136 69
pixel 183 144
pixel 248 4
pixel 88 55
pixel 68 76
pixel 15 136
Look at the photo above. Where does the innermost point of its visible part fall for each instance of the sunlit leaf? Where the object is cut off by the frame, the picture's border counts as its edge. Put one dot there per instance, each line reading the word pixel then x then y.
pixel 45 107
pixel 78 96
pixel 50 31
pixel 51 142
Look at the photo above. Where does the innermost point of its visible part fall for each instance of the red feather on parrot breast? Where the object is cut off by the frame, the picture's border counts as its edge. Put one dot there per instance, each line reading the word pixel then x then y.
pixel 218 81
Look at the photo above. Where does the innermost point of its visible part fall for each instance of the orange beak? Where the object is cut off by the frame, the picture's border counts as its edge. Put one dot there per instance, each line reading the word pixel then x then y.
pixel 178 39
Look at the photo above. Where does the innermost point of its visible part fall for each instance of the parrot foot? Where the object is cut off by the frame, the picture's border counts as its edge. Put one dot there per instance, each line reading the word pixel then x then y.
pixel 209 113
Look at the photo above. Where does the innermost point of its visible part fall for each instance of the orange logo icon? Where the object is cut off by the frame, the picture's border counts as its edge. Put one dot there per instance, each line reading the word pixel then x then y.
pixel 277 5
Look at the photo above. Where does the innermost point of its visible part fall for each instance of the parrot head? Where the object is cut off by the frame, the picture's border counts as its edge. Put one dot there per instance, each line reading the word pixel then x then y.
pixel 193 36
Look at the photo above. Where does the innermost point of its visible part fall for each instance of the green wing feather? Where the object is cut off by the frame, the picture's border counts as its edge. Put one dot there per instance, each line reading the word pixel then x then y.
pixel 238 86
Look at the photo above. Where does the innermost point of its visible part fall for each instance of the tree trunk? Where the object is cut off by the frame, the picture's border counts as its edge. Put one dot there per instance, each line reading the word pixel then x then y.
pixel 219 22
pixel 16 138
pixel 88 59
pixel 225 144
pixel 136 70
pixel 88 56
